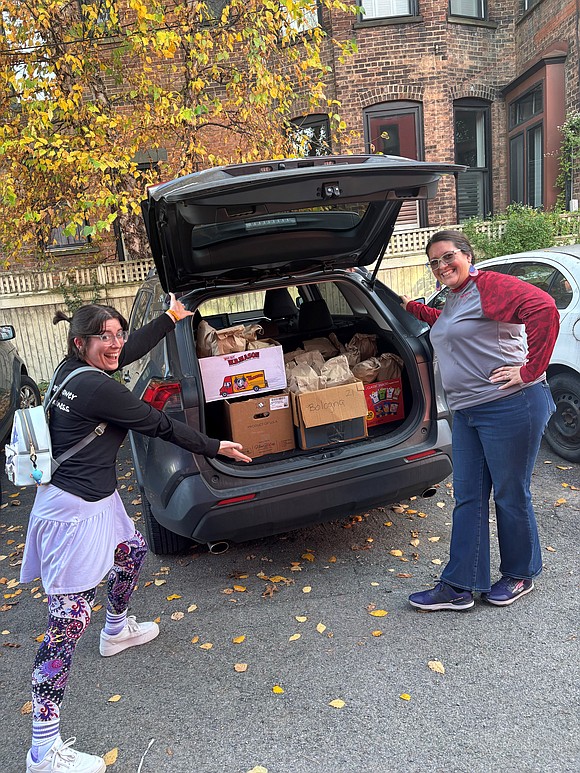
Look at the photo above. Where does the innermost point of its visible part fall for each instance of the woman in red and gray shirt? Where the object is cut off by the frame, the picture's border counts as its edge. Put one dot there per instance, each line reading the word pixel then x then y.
pixel 493 340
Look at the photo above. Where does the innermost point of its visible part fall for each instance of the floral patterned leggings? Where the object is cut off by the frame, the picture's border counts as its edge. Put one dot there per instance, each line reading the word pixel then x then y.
pixel 68 618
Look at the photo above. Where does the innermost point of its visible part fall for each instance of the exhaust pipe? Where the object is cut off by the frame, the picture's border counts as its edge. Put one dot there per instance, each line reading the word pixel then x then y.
pixel 218 547
pixel 429 492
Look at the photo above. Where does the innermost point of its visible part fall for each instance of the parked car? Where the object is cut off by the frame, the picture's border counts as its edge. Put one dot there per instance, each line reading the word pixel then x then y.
pixel 17 389
pixel 557 271
pixel 281 243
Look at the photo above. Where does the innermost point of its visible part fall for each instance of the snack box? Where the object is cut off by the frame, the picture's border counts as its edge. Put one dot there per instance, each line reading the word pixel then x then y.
pixel 240 374
pixel 384 401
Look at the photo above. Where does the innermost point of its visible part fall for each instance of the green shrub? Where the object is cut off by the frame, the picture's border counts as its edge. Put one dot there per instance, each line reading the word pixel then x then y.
pixel 519 228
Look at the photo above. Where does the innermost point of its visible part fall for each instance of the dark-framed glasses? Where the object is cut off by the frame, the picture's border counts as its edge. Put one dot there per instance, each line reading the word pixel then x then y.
pixel 108 338
pixel 446 259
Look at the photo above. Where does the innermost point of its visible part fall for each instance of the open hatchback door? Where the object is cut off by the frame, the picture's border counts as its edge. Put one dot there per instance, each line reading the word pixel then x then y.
pixel 288 218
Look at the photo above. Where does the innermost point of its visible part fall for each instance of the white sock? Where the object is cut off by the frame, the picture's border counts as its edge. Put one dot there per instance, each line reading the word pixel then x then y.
pixel 44 734
pixel 114 624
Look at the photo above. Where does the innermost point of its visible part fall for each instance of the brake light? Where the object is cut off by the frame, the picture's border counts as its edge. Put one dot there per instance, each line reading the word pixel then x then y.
pixel 235 500
pixel 422 455
pixel 163 394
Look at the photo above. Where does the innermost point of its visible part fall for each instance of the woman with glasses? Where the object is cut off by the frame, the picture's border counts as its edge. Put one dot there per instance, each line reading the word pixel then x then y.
pixel 79 531
pixel 493 340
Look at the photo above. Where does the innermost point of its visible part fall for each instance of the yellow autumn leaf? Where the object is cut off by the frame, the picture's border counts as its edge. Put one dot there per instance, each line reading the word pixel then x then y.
pixel 437 561
pixel 240 667
pixel 239 639
pixel 111 756
pixel 240 588
pixel 192 607
pixel 551 549
pixel 437 666
pixel 295 636
pixel 332 560
pixel 405 696
pixel 440 504
pixel 337 703
pixel 321 628
pixel 422 515
pixel 177 616
pixel 379 612
pixel 173 597
pixel 307 556
pixel 157 620
pixel 26 708
pixel 195 640
pixel 396 552
pixel 388 523
pixel 559 502
pixel 277 689
pixel 375 584
pixel 258 769
pixel 160 582
pixel 301 618
pixel 5 633
pixel 306 589
pixel 114 699
pixel 39 638
pixel 434 539
pixel 377 633
pixel 414 542
pixel 278 578
pixel 206 646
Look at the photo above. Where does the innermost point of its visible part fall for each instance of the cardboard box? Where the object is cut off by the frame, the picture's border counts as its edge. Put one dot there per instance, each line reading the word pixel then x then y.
pixel 263 425
pixel 228 376
pixel 330 416
pixel 384 401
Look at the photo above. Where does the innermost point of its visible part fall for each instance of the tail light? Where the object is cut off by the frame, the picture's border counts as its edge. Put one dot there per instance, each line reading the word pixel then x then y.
pixel 163 395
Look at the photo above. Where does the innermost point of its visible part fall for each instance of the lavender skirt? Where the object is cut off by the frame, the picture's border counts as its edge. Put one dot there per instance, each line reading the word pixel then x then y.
pixel 70 543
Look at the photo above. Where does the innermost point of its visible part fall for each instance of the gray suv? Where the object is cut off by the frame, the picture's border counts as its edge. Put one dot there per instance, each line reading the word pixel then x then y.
pixel 284 244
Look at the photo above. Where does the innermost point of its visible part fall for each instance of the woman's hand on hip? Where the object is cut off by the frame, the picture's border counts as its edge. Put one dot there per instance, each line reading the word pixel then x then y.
pixel 507 376
pixel 233 450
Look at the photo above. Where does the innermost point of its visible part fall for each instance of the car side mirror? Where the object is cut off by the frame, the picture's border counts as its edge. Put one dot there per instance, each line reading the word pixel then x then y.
pixel 7 333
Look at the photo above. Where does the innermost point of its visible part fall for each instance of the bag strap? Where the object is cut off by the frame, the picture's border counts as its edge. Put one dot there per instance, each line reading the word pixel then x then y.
pixel 93 434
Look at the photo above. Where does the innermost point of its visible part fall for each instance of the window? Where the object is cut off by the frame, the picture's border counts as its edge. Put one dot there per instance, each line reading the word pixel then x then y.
pixel 395 128
pixel 308 18
pixel 335 300
pixel 61 239
pixel 310 135
pixel 527 106
pixel 380 9
pixel 472 148
pixel 517 169
pixel 535 166
pixel 527 147
pixel 473 9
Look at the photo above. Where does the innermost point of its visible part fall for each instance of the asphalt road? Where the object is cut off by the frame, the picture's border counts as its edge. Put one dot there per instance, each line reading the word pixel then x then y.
pixel 508 699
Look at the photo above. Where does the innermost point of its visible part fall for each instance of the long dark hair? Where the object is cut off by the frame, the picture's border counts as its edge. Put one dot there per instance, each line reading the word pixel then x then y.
pixel 87 321
pixel 456 237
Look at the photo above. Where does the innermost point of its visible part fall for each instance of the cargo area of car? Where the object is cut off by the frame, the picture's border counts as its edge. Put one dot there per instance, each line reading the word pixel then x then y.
pixel 289 317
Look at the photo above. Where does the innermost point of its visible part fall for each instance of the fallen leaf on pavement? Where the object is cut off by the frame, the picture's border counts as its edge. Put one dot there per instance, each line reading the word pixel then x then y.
pixel 173 597
pixel 240 667
pixel 337 704
pixel 396 552
pixel 277 689
pixel 111 756
pixel 379 612
pixel 26 708
pixel 295 636
pixel 114 699
pixel 192 607
pixel 377 633
pixel 437 666
pixel 177 616
pixel 405 696
pixel 321 628
pixel 552 550
pixel 306 589
pixel 206 646
pixel 239 639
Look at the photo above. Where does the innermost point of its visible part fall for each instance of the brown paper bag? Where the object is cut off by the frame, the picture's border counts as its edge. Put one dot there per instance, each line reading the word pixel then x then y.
pixel 326 348
pixel 205 339
pixel 367 371
pixel 229 340
pixel 336 372
pixel 390 366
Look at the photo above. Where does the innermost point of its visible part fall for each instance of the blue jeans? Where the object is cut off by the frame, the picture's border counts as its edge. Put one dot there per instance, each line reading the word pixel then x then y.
pixel 496 444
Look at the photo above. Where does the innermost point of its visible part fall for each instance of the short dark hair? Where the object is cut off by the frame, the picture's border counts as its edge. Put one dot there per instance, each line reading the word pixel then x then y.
pixel 87 321
pixel 456 237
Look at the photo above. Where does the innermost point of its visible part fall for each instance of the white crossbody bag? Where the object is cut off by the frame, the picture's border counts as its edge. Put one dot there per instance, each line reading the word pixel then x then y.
pixel 29 459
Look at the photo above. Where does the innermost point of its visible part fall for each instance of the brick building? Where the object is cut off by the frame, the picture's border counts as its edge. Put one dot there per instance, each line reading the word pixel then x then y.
pixel 485 83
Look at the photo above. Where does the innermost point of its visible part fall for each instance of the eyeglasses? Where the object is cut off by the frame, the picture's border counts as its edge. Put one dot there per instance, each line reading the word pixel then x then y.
pixel 108 338
pixel 446 259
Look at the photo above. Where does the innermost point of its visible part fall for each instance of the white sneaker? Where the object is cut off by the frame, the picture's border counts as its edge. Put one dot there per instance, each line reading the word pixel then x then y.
pixel 132 635
pixel 61 757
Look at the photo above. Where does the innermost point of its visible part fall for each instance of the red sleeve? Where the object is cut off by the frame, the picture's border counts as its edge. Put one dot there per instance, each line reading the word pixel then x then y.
pixel 422 312
pixel 509 299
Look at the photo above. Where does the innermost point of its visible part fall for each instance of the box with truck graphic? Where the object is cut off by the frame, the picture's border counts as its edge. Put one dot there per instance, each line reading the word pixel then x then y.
pixel 228 376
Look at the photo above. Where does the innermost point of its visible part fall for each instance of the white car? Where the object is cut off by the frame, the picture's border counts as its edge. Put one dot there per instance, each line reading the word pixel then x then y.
pixel 557 271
